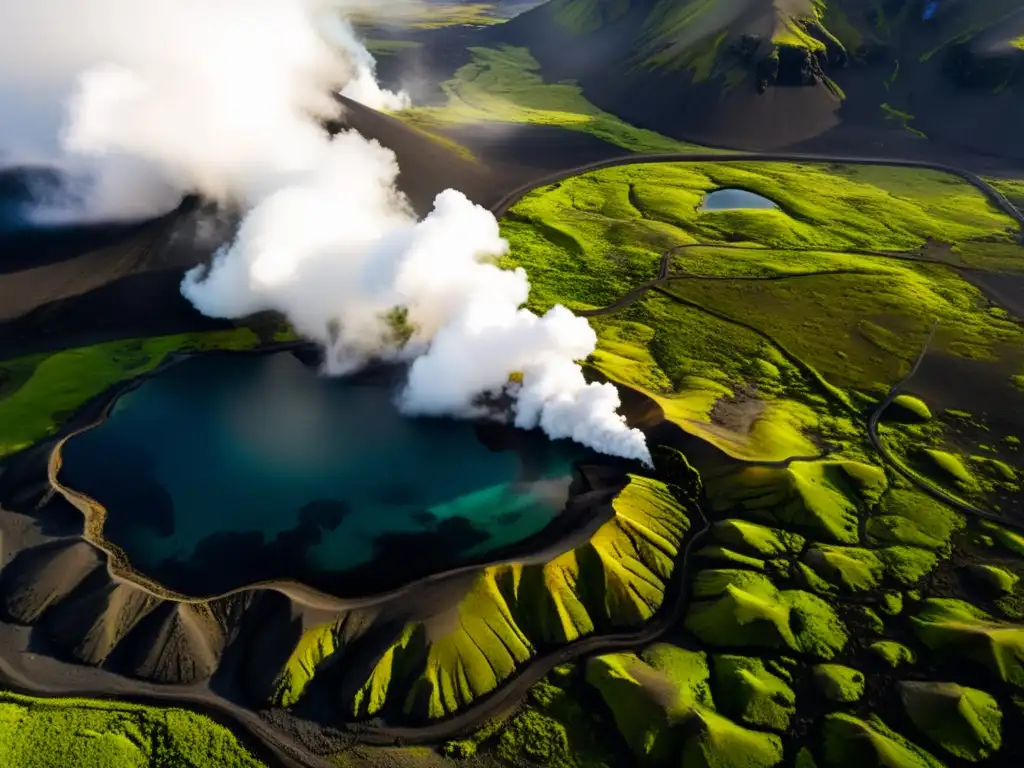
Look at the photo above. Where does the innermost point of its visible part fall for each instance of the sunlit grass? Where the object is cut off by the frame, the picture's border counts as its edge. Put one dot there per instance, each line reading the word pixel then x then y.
pixel 827 322
pixel 60 733
pixel 39 393
pixel 431 15
pixel 504 85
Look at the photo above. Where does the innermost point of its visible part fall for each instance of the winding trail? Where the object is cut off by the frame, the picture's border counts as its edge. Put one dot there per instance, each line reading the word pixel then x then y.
pixel 278 746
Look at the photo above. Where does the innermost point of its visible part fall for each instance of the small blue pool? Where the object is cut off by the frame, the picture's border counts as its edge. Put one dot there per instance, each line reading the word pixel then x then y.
pixel 733 199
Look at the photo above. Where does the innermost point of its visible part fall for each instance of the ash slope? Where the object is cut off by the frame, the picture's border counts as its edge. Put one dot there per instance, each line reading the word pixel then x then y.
pixel 767 74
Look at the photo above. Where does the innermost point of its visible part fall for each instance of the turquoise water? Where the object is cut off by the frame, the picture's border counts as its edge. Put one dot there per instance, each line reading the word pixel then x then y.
pixel 224 470
pixel 731 199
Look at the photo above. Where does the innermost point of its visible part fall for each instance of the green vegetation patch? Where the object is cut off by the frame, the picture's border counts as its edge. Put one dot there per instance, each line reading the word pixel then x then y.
pixel 433 15
pixel 891 603
pixel 838 683
pixel 61 383
pixel 58 733
pixel 755 539
pixel 551 729
pixel 748 693
pixel 950 467
pixel 911 518
pixel 965 722
pixel 820 499
pixel 830 317
pixel 650 694
pixel 431 669
pixel 580 17
pixel 315 645
pixel 958 629
pixel 504 84
pixel 908 408
pixel 663 706
pixel 743 608
pixel 1010 540
pixel 729 557
pixel 892 653
pixel 855 569
pixel 992 579
pixel 854 743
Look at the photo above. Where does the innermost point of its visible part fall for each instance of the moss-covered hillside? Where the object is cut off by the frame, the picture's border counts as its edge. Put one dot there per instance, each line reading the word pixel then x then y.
pixel 838 614
pixel 507 615
pixel 897 66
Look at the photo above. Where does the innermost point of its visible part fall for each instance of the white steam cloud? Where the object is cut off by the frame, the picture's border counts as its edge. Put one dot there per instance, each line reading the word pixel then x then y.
pixel 140 101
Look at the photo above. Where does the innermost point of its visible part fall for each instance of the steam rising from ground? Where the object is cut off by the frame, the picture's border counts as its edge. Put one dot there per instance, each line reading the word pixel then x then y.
pixel 138 102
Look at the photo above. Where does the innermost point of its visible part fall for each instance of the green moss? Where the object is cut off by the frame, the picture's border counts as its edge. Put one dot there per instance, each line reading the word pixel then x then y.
pixel 891 603
pixel 58 733
pixel 535 736
pixel 662 706
pixel 804 759
pixel 995 581
pixel 955 628
pixel 381 47
pixel 580 17
pixel 650 694
pixel 965 722
pixel 911 518
pixel 428 15
pixel 806 577
pixel 1009 540
pixel 875 623
pixel 854 743
pixel 908 408
pixel 855 569
pixel 903 119
pixel 61 383
pixel 907 565
pixel 838 683
pixel 756 540
pixel 743 608
pixel 315 645
pixel 615 580
pixel 504 85
pixel 730 557
pixel 892 653
pixel 950 467
pixel 721 743
pixel 461 749
pixel 996 469
pixel 747 692
pixel 637 212
pixel 817 498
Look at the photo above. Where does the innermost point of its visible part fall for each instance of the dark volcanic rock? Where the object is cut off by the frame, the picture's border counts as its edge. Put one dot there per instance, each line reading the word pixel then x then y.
pixel 40 578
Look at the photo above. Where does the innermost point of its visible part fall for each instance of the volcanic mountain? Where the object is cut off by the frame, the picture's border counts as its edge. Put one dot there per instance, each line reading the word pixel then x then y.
pixel 766 74
pixel 117 281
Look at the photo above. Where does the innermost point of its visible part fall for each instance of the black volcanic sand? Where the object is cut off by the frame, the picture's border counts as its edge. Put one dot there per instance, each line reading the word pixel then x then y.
pixel 983 389
pixel 229 470
pixel 520 149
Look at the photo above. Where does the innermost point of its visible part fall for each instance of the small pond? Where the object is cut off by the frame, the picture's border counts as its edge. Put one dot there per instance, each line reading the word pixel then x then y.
pixel 225 470
pixel 733 199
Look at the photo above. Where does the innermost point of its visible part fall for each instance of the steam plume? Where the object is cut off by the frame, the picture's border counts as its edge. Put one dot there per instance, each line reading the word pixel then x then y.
pixel 139 102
